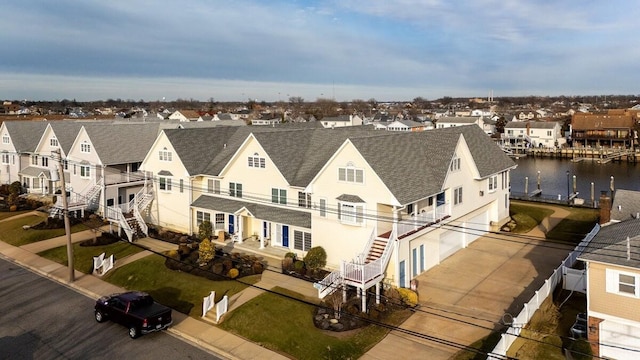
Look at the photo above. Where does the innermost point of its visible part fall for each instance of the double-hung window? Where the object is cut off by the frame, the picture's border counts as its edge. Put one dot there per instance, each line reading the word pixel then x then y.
pixel 202 217
pixel 457 196
pixel 279 196
pixel 623 283
pixel 304 200
pixel 164 155
pixel 219 221
pixel 256 161
pixel 322 204
pixel 301 240
pixel 6 139
pixel 34 159
pixel 53 142
pixel 85 147
pixel 85 171
pixel 235 190
pixel 493 183
pixel 5 158
pixel 164 183
pixel 455 163
pixel 351 174
pixel 351 213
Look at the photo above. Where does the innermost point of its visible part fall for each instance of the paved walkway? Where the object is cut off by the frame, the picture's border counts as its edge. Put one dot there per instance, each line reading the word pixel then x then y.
pixel 464 298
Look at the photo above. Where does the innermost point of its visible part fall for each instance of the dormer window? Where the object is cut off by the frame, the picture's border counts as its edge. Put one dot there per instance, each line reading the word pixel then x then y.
pixel 256 161
pixel 85 147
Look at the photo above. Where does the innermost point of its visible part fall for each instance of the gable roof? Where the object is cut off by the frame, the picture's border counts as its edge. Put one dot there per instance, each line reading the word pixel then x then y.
pixel 25 135
pixel 459 119
pixel 66 133
pixel 609 246
pixel 122 143
pixel 626 205
pixel 600 121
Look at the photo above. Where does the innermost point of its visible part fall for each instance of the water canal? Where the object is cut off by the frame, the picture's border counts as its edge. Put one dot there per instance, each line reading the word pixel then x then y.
pixel 554 180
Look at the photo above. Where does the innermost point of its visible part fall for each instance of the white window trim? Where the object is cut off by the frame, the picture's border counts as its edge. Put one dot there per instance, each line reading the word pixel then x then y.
pixel 458 196
pixel 256 161
pixel 53 142
pixel 167 183
pixel 5 158
pixel 322 207
pixel 85 147
pixel 355 213
pixel 6 139
pixel 87 174
pixel 613 283
pixel 165 155
pixel 281 197
pixel 493 183
pixel 456 163
pixel 304 235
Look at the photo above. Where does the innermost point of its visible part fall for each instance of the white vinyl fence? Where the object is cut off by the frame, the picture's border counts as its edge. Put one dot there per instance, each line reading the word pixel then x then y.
pixel 101 264
pixel 222 306
pixel 510 335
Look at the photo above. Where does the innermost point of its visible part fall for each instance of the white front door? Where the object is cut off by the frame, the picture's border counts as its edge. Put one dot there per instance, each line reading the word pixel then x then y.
pixel 277 240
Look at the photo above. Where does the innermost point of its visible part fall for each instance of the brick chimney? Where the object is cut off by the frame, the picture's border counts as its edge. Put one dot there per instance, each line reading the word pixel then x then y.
pixel 605 208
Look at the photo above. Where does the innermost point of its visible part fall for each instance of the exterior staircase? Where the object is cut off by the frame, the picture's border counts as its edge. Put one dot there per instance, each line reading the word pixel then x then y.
pixel 76 201
pixel 365 270
pixel 130 220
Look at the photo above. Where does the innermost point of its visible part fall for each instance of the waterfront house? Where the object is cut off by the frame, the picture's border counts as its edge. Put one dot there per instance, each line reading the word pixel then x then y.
pixel 607 130
pixel 385 206
pixel 534 133
pixel 613 290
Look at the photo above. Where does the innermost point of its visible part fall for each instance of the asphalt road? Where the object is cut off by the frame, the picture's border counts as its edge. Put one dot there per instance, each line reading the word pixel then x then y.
pixel 42 319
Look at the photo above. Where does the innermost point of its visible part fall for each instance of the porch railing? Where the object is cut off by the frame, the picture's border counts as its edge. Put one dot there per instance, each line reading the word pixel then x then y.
pixel 418 221
pixel 124 176
pixel 115 213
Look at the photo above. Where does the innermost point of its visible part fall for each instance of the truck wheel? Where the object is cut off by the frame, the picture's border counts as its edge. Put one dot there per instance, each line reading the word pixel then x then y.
pixel 133 332
pixel 99 316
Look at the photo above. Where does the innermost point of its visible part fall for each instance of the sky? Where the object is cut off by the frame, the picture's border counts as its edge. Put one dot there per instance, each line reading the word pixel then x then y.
pixel 235 50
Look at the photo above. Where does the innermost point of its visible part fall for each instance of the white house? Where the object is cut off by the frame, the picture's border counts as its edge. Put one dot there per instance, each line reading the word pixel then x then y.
pixel 536 133
pixel 341 121
pixel 448 121
pixel 18 140
pixel 351 190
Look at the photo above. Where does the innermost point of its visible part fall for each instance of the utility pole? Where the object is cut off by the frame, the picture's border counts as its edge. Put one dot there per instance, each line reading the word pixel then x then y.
pixel 65 210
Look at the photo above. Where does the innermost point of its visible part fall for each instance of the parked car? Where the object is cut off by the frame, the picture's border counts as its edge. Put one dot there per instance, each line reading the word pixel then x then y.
pixel 579 328
pixel 134 309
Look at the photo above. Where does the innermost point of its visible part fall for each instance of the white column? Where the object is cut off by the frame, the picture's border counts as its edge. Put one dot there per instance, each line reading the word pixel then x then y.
pixel 378 293
pixel 364 300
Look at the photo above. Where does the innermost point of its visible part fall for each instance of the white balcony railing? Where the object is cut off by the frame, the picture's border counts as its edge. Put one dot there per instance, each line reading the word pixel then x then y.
pixel 111 178
pixel 418 221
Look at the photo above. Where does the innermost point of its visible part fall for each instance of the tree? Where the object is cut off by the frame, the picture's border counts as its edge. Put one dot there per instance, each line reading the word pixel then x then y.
pixel 316 258
pixel 500 124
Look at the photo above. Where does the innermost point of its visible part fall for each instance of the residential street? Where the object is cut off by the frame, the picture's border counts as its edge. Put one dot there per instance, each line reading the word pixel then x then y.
pixel 42 319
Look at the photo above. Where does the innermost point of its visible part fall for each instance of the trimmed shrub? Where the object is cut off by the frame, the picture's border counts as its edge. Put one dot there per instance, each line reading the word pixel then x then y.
pixel 205 230
pixel 316 258
pixel 298 266
pixel 408 296
pixel 287 264
pixel 290 255
pixel 233 273
pixel 206 251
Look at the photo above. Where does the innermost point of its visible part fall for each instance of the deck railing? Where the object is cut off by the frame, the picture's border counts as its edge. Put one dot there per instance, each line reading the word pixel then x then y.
pixel 417 221
pixel 361 273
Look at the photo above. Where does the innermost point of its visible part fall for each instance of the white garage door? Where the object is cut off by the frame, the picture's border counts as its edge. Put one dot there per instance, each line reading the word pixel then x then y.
pixel 450 242
pixel 618 336
pixel 476 227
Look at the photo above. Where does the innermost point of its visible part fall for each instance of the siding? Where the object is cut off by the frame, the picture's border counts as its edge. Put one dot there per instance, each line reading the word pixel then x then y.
pixel 603 302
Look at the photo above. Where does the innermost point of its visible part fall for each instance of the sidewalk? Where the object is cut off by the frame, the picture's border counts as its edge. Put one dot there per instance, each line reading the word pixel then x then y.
pixel 222 343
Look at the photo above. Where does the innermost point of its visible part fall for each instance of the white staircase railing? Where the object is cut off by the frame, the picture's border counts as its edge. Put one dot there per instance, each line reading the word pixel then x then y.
pixel 115 214
pixel 329 284
pixel 362 274
pixel 143 226
pixel 362 257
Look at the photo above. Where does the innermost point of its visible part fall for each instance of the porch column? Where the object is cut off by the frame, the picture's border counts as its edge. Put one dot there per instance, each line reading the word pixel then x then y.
pixel 378 293
pixel 239 231
pixel 262 241
pixel 364 300
pixel 344 293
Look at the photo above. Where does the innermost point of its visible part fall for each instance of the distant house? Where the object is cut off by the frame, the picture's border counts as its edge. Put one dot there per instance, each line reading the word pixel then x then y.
pixel 406 125
pixel 602 129
pixel 448 121
pixel 535 133
pixel 341 121
pixel 612 265
pixel 271 121
pixel 185 115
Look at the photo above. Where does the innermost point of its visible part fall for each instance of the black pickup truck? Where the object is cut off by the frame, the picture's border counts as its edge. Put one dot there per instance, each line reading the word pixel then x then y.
pixel 134 309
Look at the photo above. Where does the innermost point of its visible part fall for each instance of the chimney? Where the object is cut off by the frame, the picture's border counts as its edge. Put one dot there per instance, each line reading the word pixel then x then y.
pixel 605 208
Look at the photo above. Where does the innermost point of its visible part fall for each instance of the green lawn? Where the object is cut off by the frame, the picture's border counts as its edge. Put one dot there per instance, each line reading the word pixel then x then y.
pixel 83 255
pixel 286 325
pixel 178 290
pixel 574 227
pixel 527 217
pixel 11 231
pixel 8 214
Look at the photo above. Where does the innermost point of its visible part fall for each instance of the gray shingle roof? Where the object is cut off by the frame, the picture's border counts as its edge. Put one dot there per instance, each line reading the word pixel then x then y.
pixel 264 212
pixel 122 143
pixel 609 246
pixel 626 205
pixel 25 135
pixel 350 198
pixel 35 172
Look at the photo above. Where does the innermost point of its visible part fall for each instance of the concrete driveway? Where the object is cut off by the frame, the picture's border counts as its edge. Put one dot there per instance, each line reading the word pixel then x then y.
pixel 466 296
